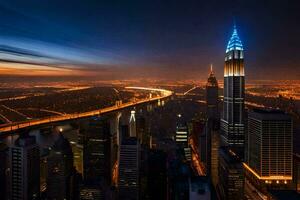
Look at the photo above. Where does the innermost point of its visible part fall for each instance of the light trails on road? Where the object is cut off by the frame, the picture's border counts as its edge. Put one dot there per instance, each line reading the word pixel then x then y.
pixel 34 122
pixel 185 93
pixel 199 166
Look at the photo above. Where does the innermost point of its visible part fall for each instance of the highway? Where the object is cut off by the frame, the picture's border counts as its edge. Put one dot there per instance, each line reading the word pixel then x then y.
pixel 34 122
pixel 185 93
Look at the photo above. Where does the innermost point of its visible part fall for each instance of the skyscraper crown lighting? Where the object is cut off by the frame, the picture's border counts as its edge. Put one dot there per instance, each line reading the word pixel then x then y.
pixel 234 43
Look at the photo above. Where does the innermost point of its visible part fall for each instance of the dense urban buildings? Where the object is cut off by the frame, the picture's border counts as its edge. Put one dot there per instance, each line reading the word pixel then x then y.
pixel 112 100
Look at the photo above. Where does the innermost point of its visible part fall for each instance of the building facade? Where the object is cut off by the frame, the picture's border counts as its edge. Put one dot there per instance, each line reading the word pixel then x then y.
pixel 24 162
pixel 97 152
pixel 61 172
pixel 182 139
pixel 129 165
pixel 231 175
pixel 212 126
pixel 270 147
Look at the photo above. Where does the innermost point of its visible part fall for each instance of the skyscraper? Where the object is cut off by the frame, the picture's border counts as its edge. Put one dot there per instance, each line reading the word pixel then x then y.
pixel 232 122
pixel 61 171
pixel 97 152
pixel 212 125
pixel 129 159
pixel 270 147
pixel 231 178
pixel 230 168
pixel 182 139
pixel 25 169
pixel 212 96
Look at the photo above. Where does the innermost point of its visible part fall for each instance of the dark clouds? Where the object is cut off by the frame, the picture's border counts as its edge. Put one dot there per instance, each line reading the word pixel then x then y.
pixel 165 39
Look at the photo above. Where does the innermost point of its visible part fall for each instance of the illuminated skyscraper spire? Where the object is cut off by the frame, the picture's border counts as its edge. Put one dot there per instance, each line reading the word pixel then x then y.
pixel 212 81
pixel 235 42
pixel 232 122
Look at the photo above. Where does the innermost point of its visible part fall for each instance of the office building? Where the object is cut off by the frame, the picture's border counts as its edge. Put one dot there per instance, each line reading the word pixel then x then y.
pixel 270 147
pixel 231 177
pixel 129 163
pixel 212 126
pixel 97 152
pixel 182 139
pixel 24 160
pixel 61 172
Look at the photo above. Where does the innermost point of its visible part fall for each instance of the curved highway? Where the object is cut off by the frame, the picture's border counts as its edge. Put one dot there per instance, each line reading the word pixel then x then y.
pixel 34 122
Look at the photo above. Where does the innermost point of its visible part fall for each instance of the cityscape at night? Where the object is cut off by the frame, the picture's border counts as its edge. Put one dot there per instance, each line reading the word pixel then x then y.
pixel 149 100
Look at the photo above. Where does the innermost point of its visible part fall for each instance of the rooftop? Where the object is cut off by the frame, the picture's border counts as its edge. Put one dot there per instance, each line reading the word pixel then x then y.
pixel 234 43
pixel 267 114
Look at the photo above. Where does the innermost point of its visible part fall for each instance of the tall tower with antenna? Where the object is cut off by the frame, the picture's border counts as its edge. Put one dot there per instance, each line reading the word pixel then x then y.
pixel 232 122
pixel 212 96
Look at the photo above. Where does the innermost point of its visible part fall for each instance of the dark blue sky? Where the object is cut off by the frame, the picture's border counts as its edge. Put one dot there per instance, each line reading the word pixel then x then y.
pixel 165 39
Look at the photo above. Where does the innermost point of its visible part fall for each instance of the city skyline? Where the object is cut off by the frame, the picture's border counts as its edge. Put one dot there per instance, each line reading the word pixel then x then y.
pixel 116 101
pixel 147 40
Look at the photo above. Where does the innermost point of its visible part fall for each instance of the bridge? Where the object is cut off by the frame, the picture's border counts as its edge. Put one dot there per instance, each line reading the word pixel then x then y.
pixel 6 128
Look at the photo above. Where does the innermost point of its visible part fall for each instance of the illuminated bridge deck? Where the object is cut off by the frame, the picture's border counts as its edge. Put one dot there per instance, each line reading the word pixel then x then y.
pixel 6 128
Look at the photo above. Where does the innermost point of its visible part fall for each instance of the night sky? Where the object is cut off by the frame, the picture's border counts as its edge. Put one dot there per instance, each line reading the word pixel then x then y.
pixel 152 39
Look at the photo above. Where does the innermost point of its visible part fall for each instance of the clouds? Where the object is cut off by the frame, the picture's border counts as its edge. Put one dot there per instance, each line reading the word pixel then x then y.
pixel 165 39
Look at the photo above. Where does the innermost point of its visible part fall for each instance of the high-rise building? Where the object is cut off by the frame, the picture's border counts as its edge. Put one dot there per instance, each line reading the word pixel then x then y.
pixel 212 100
pixel 97 152
pixel 212 126
pixel 232 122
pixel 3 169
pixel 141 129
pixel 270 147
pixel 24 160
pixel 231 177
pixel 156 175
pixel 181 139
pixel 61 172
pixel 129 163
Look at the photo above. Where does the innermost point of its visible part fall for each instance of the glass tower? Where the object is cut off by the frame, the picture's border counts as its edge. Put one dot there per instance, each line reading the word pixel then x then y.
pixel 232 122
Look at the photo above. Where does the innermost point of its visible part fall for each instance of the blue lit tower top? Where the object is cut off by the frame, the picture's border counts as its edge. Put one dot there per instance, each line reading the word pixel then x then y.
pixel 234 56
pixel 234 43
